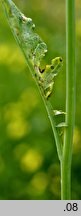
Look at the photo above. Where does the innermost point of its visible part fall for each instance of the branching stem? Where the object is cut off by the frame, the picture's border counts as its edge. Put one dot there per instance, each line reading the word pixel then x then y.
pixel 65 152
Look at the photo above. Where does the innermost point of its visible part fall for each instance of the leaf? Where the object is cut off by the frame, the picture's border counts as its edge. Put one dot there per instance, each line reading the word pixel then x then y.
pixel 33 47
pixel 58 112
pixel 49 74
pixel 62 124
pixel 23 30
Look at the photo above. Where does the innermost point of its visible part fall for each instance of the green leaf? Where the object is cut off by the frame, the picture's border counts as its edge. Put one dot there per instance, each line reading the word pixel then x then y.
pixel 23 29
pixel 34 50
pixel 62 125
pixel 33 47
pixel 58 112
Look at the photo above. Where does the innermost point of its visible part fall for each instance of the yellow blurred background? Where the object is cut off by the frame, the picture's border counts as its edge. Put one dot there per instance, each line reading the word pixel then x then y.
pixel 29 166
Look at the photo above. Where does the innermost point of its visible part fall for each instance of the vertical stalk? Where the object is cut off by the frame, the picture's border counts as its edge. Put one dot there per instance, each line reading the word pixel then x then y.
pixel 53 125
pixel 70 101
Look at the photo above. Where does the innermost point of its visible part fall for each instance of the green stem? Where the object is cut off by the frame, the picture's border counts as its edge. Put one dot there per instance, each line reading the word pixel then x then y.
pixel 53 124
pixel 70 101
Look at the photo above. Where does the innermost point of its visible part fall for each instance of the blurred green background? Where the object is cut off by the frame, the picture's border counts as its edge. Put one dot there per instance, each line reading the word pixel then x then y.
pixel 29 166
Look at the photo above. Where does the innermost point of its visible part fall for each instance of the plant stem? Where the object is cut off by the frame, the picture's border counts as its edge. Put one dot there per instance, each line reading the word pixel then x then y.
pixel 56 135
pixel 70 101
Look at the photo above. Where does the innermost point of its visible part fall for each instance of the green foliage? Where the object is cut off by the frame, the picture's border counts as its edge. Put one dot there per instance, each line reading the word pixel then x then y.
pixel 33 47
pixel 48 75
pixel 22 28
pixel 24 127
